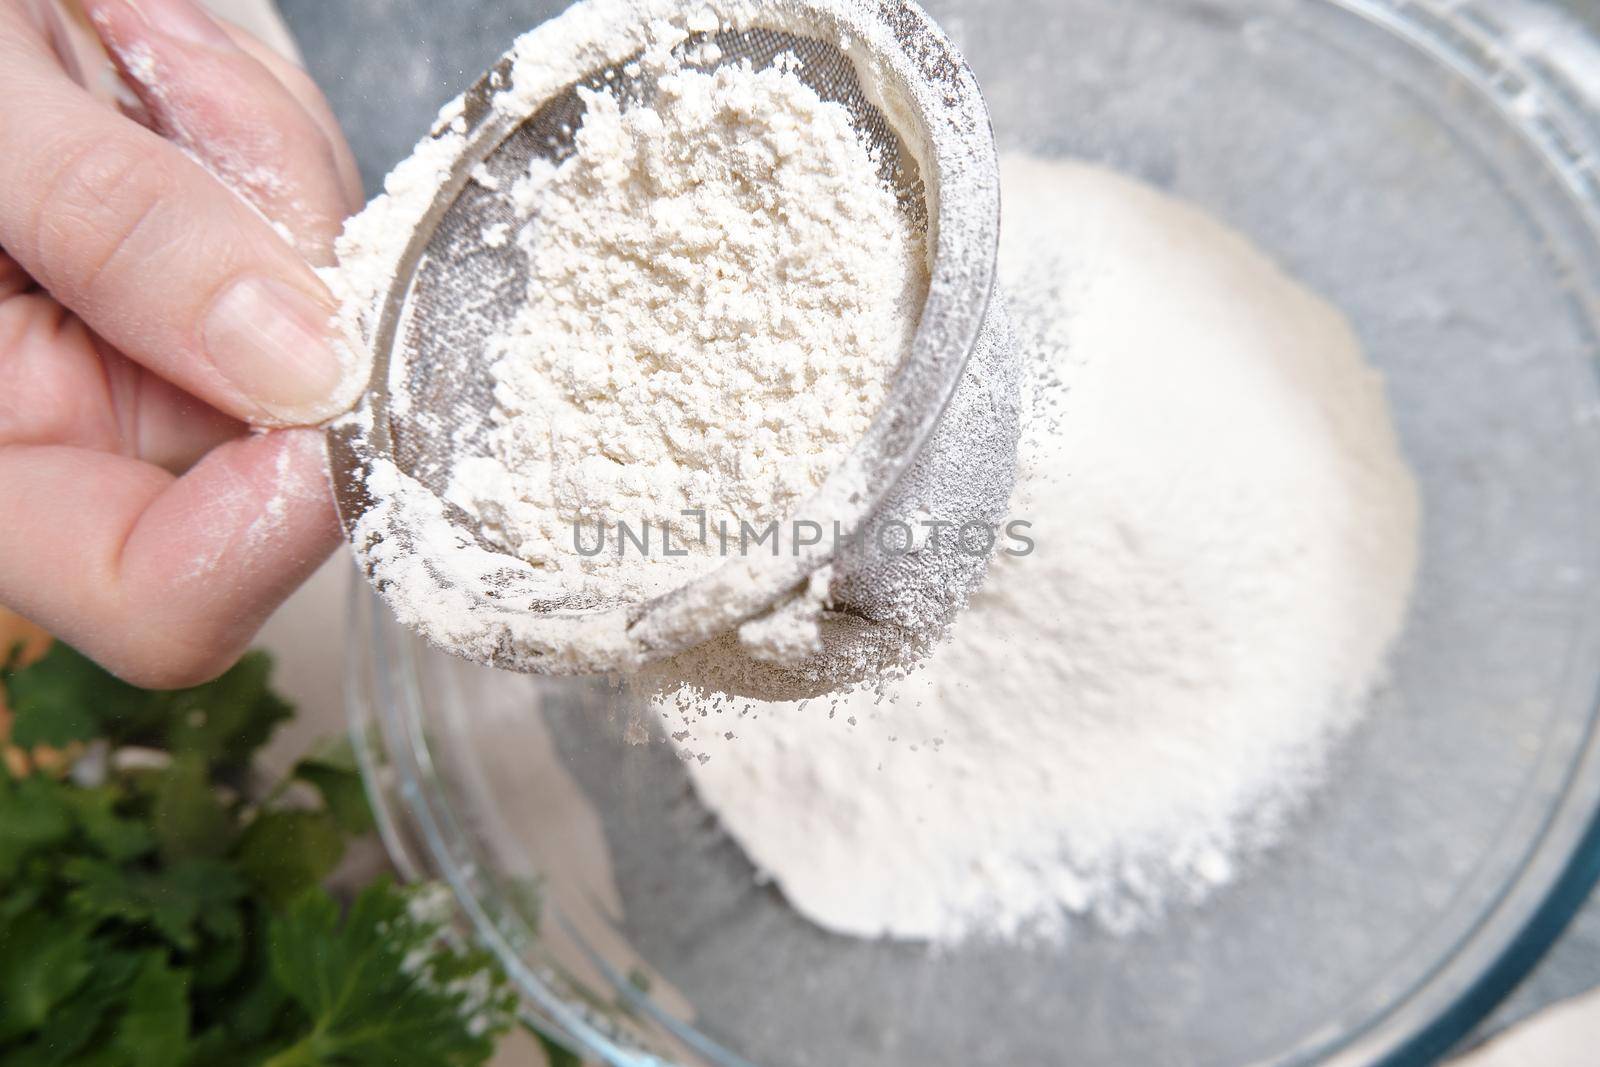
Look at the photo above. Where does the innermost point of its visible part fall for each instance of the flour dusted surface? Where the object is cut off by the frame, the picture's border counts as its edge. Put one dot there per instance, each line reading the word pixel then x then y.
pixel 721 289
pixel 1226 539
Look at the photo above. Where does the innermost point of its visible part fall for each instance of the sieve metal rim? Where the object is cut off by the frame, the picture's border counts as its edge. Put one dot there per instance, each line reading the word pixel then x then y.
pixel 894 40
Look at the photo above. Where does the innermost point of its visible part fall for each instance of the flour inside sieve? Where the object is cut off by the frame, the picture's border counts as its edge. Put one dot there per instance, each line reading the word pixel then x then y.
pixel 431 280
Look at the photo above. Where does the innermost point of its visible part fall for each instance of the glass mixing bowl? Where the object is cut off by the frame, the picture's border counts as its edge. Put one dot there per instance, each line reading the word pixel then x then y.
pixel 1410 164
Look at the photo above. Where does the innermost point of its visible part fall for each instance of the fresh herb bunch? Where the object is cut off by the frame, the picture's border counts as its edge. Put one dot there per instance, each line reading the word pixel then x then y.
pixel 153 913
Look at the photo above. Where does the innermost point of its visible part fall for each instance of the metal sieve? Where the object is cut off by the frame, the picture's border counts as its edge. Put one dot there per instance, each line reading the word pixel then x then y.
pixel 911 99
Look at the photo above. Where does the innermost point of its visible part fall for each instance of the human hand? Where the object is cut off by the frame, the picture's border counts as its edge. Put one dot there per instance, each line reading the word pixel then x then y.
pixel 156 303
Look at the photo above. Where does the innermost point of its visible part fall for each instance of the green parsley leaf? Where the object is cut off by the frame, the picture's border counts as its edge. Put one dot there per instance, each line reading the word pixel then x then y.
pixel 147 920
pixel 256 1013
pixel 284 853
pixel 75 1025
pixel 331 768
pixel 180 903
pixel 112 835
pixel 155 1025
pixel 556 1054
pixel 34 816
pixel 66 697
pixel 43 960
pixel 226 721
pixel 189 821
pixel 225 946
pixel 381 988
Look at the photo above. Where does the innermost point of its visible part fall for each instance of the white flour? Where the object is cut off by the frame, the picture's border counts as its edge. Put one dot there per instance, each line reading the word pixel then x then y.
pixel 721 289
pixel 1226 539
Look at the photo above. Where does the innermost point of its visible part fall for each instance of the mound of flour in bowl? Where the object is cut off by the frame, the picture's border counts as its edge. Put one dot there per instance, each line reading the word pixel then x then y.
pixel 721 288
pixel 1225 538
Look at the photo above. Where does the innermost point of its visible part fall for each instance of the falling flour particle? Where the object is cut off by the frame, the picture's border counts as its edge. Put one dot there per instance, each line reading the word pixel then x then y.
pixel 721 290
pixel 1225 544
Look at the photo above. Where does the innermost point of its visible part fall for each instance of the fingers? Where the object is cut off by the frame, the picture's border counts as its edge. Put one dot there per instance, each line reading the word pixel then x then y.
pixel 164 581
pixel 64 386
pixel 164 262
pixel 218 102
pixel 300 85
pixel 156 421
pixel 13 279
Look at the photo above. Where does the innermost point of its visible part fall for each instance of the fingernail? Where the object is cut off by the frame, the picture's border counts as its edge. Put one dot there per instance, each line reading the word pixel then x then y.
pixel 184 20
pixel 272 341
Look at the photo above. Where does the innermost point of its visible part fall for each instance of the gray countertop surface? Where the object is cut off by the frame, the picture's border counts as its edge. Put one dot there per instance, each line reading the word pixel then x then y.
pixel 388 65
